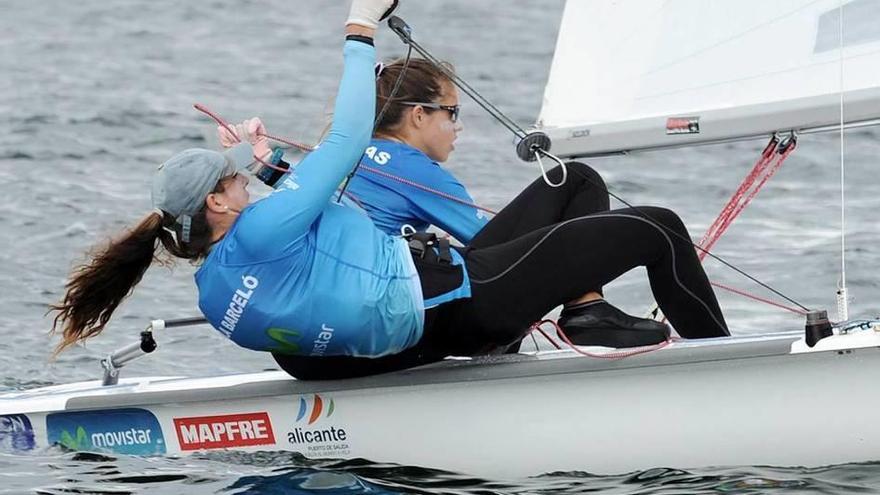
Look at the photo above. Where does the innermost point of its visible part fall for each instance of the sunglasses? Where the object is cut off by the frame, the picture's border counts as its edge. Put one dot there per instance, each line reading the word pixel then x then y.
pixel 452 109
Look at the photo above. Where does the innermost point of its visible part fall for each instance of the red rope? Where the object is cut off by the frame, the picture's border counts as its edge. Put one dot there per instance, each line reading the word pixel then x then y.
pixel 730 211
pixel 205 110
pixel 425 188
pixel 605 355
pixel 724 217
pixel 303 147
pixel 764 169
pixel 307 148
pixel 767 165
pixel 219 120
pixel 760 299
pixel 537 327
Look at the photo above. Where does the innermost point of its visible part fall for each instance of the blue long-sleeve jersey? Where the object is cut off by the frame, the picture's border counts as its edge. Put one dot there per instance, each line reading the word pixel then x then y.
pixel 393 203
pixel 300 274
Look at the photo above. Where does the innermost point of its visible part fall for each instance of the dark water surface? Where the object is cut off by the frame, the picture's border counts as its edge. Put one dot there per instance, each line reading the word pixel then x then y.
pixel 94 94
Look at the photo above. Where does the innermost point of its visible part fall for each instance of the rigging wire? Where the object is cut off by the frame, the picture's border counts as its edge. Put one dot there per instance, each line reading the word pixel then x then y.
pixel 379 116
pixel 703 251
pixel 404 32
pixel 499 116
pixel 842 302
pixel 398 26
pixel 307 148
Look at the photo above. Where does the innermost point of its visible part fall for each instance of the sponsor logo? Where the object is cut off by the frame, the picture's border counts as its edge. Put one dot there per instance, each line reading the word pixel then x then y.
pixel 238 304
pixel 325 439
pixel 323 340
pixel 316 406
pixel 579 133
pixel 228 430
pixel 286 341
pixel 289 183
pixel 16 433
pixel 381 158
pixel 122 431
pixel 683 125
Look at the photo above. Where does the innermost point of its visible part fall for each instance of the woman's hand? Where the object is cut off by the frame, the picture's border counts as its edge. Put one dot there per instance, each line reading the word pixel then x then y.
pixel 252 131
pixel 368 13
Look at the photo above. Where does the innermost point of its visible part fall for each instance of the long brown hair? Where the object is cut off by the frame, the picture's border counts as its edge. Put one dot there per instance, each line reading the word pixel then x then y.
pixel 96 288
pixel 422 82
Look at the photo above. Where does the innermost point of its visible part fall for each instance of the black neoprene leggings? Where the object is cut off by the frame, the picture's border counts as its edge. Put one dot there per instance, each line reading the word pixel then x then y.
pixel 552 245
pixel 547 247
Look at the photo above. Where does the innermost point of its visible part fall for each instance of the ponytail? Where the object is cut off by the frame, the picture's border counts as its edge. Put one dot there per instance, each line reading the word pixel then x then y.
pixel 96 288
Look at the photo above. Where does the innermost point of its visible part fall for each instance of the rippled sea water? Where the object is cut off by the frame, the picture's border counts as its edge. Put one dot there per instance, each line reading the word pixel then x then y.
pixel 94 94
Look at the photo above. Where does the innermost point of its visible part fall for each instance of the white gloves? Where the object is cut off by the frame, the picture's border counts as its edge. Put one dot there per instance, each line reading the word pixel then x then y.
pixel 368 13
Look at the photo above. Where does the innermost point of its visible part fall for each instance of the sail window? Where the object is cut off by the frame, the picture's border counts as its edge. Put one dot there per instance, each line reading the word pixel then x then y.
pixel 861 24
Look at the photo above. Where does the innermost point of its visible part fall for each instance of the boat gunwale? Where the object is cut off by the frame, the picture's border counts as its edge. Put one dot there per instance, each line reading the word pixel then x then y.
pixel 135 391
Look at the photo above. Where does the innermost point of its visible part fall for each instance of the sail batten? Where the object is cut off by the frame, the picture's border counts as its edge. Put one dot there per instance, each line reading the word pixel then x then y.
pixel 645 74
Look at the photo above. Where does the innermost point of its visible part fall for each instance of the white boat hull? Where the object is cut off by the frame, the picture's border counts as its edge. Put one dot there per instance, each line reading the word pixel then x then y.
pixel 733 401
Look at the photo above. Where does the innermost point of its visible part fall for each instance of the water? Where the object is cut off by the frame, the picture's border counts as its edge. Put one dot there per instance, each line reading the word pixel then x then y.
pixel 94 94
pixel 290 474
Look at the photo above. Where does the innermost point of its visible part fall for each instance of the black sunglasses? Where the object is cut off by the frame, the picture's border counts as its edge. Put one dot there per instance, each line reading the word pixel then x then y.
pixel 452 109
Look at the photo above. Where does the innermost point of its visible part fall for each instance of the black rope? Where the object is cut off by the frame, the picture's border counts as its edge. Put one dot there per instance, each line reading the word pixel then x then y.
pixel 468 90
pixel 379 116
pixel 394 89
pixel 682 237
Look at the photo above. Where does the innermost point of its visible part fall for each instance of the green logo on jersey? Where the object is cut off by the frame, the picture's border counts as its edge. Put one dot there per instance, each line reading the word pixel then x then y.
pixel 287 340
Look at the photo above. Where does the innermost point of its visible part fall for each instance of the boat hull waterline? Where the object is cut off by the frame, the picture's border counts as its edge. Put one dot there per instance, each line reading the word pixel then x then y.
pixel 754 400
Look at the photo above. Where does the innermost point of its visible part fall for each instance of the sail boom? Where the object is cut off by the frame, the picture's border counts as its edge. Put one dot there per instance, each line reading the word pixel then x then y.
pixel 716 126
pixel 633 75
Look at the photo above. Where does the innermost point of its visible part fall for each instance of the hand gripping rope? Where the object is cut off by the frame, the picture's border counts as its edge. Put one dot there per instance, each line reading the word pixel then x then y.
pixel 302 147
pixel 308 148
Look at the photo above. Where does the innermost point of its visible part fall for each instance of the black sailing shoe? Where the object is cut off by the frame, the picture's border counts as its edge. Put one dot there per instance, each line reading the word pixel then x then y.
pixel 599 323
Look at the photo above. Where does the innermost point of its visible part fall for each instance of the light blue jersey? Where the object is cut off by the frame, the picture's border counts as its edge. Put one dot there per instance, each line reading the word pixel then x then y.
pixel 392 203
pixel 300 274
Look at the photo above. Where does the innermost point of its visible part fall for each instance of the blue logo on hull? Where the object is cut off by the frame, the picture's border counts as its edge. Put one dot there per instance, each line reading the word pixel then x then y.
pixel 16 433
pixel 121 431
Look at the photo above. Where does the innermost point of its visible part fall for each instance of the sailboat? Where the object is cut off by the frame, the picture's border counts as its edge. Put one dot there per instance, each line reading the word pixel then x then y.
pixel 626 76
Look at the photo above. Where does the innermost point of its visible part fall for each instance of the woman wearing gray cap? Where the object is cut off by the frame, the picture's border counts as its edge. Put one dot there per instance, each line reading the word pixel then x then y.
pixel 201 213
pixel 314 282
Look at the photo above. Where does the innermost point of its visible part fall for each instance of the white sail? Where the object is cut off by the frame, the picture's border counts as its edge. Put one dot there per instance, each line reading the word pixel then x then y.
pixel 647 74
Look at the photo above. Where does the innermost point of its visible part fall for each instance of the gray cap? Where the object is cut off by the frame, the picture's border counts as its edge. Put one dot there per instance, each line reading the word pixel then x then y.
pixel 182 183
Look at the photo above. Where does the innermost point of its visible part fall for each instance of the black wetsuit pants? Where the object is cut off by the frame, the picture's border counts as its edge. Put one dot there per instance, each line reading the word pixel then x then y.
pixel 547 247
